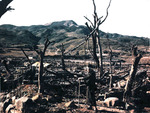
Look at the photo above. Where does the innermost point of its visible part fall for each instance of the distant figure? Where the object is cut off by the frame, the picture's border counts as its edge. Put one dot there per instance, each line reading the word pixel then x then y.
pixel 91 87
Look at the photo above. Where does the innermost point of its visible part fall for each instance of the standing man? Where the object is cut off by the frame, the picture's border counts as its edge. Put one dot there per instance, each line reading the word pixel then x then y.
pixel 91 87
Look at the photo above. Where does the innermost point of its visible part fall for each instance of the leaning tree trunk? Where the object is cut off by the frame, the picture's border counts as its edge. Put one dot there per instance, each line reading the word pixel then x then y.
pixel 27 57
pixel 135 60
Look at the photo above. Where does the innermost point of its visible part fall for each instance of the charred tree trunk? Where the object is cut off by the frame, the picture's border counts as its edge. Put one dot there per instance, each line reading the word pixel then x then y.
pixel 110 65
pixel 41 55
pixel 40 78
pixel 135 60
pixel 94 48
pixel 100 57
pixel 95 53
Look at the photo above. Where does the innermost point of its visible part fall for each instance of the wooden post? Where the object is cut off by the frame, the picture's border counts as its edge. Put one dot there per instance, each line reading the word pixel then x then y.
pixel 120 65
pixel 79 93
pixel 62 57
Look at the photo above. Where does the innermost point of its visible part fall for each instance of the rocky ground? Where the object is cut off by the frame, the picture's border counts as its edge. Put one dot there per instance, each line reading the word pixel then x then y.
pixel 25 99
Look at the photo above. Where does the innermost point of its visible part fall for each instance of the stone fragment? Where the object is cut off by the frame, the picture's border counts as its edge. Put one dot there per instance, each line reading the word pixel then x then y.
pixel 70 104
pixel 111 101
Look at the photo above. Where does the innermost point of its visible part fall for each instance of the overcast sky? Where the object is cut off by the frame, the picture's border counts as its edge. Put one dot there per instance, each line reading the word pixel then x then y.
pixel 127 17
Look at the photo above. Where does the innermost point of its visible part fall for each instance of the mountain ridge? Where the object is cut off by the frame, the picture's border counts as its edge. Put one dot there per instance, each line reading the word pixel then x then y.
pixel 66 32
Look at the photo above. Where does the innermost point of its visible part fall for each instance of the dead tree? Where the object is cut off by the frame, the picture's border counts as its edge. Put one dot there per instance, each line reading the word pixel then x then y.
pixel 41 55
pixel 4 7
pixel 135 60
pixel 96 41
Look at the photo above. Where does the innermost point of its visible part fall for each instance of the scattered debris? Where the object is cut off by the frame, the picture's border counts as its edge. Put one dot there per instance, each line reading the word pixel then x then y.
pixel 70 104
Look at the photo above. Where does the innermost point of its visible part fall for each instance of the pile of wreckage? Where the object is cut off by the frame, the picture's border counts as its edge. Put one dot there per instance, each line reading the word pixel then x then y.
pixel 65 91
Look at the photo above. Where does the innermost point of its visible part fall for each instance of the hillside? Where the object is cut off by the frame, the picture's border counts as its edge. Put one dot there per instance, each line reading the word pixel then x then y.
pixel 67 32
pixel 17 38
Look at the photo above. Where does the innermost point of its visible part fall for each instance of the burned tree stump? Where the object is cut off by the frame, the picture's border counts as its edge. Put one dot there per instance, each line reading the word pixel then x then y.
pixel 128 89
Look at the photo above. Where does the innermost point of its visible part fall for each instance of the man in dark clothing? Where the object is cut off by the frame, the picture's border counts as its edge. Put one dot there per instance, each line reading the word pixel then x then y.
pixel 91 87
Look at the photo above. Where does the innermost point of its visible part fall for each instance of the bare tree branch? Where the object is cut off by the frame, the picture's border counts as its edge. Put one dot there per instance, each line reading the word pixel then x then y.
pixel 4 8
pixel 94 8
pixel 47 43
pixel 106 12
pixel 76 47
pixel 100 18
pixel 89 20
pixel 37 51
pixel 26 56
pixel 89 27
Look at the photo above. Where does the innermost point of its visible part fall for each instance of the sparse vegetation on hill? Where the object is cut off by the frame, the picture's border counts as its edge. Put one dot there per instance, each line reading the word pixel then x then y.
pixel 67 32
